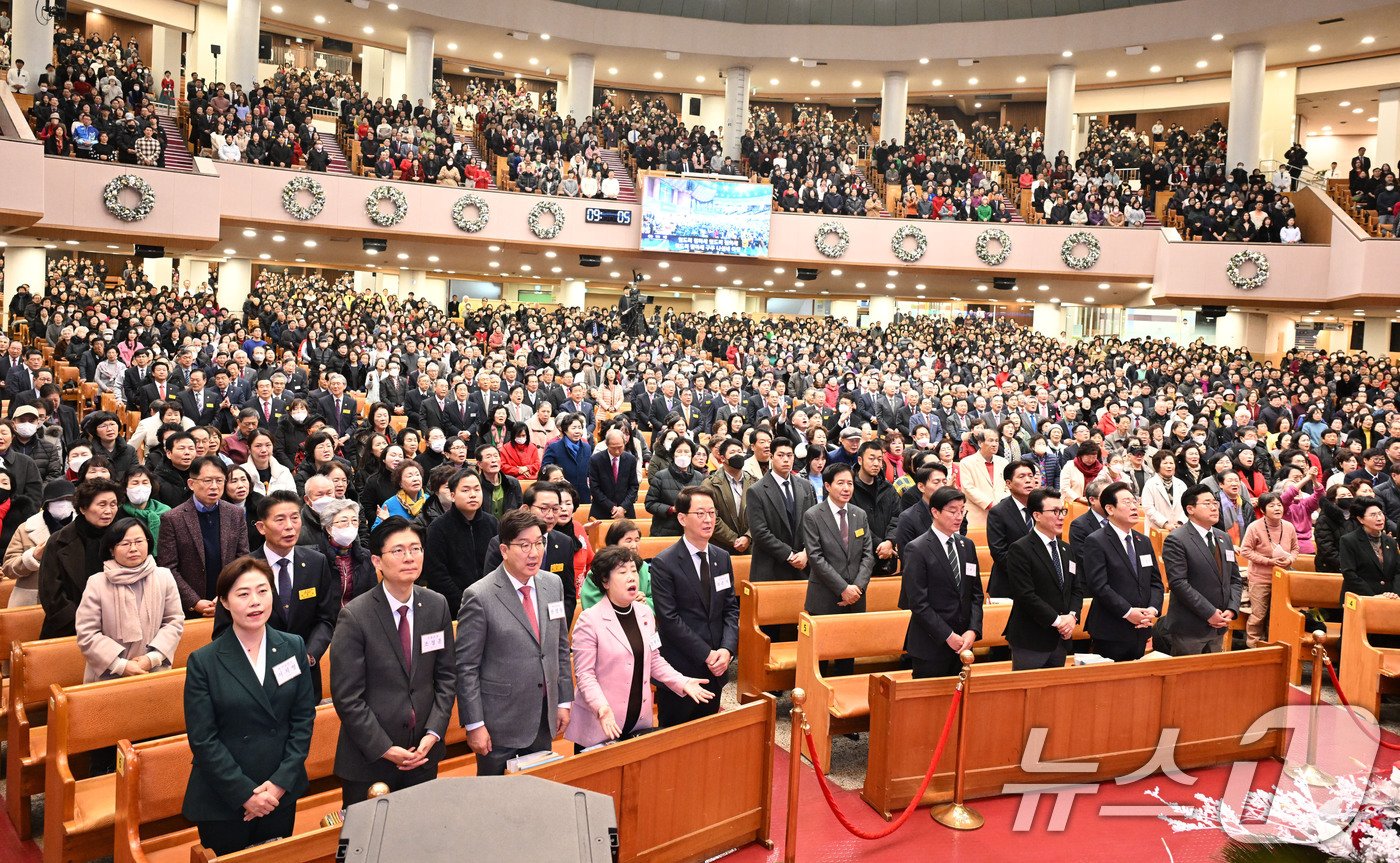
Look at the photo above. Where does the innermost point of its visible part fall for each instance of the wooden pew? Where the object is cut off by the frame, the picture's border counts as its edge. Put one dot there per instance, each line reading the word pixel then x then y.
pixel 1293 593
pixel 599 531
pixel 16 625
pixel 1305 563
pixel 78 812
pixel 906 717
pixel 765 666
pixel 1367 670
pixel 34 666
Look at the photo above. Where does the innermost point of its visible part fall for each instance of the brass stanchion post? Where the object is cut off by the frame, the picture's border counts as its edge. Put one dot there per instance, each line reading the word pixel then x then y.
pixel 957 815
pixel 1308 773
pixel 799 726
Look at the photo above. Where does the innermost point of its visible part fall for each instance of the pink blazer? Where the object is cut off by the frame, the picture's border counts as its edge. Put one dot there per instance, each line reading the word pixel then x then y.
pixel 603 670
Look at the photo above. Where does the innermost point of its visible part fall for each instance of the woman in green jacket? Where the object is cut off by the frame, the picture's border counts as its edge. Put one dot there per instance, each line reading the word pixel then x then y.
pixel 138 503
pixel 623 532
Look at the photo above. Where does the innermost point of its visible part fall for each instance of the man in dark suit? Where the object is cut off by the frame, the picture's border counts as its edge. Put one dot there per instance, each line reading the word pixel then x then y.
pixel 413 401
pixel 644 404
pixel 514 683
pixel 612 479
pixel 1089 522
pixel 270 408
pixel 392 672
pixel 1008 520
pixel 891 411
pixel 916 518
pixel 158 387
pixel 201 536
pixel 577 403
pixel 841 550
pixel 775 506
pixel 1369 560
pixel 307 587
pixel 339 410
pixel 1121 577
pixel 198 406
pixel 697 608
pixel 665 403
pixel 1203 576
pixel 1047 595
pixel 943 589
pixel 133 379
pixel 458 415
pixel 23 377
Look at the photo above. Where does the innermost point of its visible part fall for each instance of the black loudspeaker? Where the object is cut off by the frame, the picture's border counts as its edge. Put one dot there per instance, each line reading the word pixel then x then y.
pixel 590 261
pixel 695 105
pixel 58 9
pixel 265 47
pixel 149 251
pixel 806 274
pixel 437 68
pixel 1002 283
pixel 215 50
pixel 566 825
pixel 1210 313
pixel 338 45
pixel 375 245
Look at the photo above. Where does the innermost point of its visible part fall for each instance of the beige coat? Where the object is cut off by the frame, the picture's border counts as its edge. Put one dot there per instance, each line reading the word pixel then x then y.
pixel 101 651
pixel 20 562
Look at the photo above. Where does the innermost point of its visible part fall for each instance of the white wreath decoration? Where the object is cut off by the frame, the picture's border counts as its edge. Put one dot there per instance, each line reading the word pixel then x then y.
pixel 393 196
pixel 459 213
pixel 111 197
pixel 984 244
pixel 834 248
pixel 537 227
pixel 1261 270
pixel 291 198
pixel 903 232
pixel 1091 250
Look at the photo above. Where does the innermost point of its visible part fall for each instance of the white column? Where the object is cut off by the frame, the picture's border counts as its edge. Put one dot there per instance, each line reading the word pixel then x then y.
pixel 894 106
pixel 736 112
pixel 365 282
pixel 193 272
pixel 165 53
pixel 235 281
pixel 882 308
pixel 241 59
pixel 1230 329
pixel 572 293
pixel 1246 107
pixel 730 301
pixel 1387 128
pixel 210 28
pixel 31 42
pixel 1048 320
pixel 415 281
pixel 420 50
pixel 1376 340
pixel 1283 333
pixel 1059 112
pixel 25 266
pixel 580 94
pixel 158 270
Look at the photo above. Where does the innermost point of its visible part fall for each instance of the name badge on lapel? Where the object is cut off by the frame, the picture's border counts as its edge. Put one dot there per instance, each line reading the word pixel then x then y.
pixel 285 671
pixel 309 593
pixel 556 567
pixel 723 582
pixel 860 531
pixel 970 569
pixel 655 643
pixel 1229 556
pixel 432 641
pixel 1073 567
pixel 1145 560
pixel 556 610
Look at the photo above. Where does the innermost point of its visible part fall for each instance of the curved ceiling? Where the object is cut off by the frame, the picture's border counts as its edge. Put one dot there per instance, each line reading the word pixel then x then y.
pixel 860 12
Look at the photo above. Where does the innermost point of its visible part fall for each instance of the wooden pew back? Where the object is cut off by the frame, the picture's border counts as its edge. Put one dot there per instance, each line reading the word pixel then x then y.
pixel 1367 669
pixel 1294 593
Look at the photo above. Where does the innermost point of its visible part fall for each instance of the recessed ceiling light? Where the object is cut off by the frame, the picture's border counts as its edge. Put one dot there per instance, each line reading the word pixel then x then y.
pixel 768 283
pixel 860 284
pixel 816 83
pixel 981 287
pixel 226 251
pixel 738 282
pixel 393 7
pixel 1112 73
pixel 71 242
pixel 607 259
pixel 1326 128
pixel 972 81
pixel 525 268
pixel 278 238
pixel 1088 299
pixel 920 287
pixel 276 10
pixel 534 61
pixel 402 256
pixel 699 79
pixel 772 82
pixel 891 272
pixel 976 104
pixel 1217 37
pixel 249 233
pixel 51 246
pixel 544 37
pixel 556 269
pixel 432 259
pixel 310 244
pixel 721 269
pixel 368 30
pixel 1066 54
pixel 855 83
pixel 551 254
pixel 1044 287
pixel 1358 110
pixel 452 46
pixel 1103 286
pixel 938 82
pixel 1372 119
pixel 1344 104
pixel 1201 64
pixel 799 284
pixel 923 61
pixel 319 19
pixel 1144 285
pixel 1155 69
pixel 264 257
pixel 1368 40
pixel 889 285
pixel 301 260
pixel 779 270
pixel 1314 48
pixel 793 59
pixel 614 274
pixel 657 75
pixel 493 264
pixel 1020 79
pixel 665 265
pixel 497 55
pixel 836 272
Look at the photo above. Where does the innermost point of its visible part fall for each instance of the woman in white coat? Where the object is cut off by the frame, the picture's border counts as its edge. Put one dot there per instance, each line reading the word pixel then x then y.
pixel 1161 494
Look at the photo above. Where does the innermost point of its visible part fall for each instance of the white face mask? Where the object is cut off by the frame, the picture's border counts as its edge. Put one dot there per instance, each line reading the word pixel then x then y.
pixel 299 416
pixel 681 461
pixel 344 536
pixel 319 504
pixel 61 509
pixel 436 444
pixel 26 429
pixel 76 462
pixel 137 495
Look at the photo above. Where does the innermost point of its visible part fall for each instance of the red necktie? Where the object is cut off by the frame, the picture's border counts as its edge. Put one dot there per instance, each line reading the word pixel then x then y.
pixel 405 639
pixel 991 474
pixel 267 412
pixel 161 389
pixel 529 611
pixel 614 461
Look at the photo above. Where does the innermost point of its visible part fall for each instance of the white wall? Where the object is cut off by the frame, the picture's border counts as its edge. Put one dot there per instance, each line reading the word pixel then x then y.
pixel 1158 97
pixel 383 73
pixel 1323 150
pixel 711 114
pixel 1279 115
pixel 845 310
pixel 167 13
pixel 211 28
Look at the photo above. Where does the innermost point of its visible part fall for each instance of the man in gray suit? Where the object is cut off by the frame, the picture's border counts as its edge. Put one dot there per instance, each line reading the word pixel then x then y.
pixel 840 554
pixel 514 685
pixel 392 672
pixel 775 507
pixel 1203 575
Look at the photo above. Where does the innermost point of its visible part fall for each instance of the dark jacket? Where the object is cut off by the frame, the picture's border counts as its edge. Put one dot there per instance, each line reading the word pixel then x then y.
pixel 606 492
pixel 1005 525
pixel 694 618
pixel 27 481
pixel 122 457
pixel 362 574
pixel 63 575
pixel 48 460
pixel 512 499
pixel 181 547
pixel 1332 524
pixel 1362 573
pixel 661 499
pixel 455 551
pixel 939 603
pixel 1117 584
pixel 1037 595
pixel 880 503
pixel 575 466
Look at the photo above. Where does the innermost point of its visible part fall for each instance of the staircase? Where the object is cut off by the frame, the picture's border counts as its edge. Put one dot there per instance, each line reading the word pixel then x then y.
pixel 177 151
pixel 339 164
pixel 473 152
pixel 626 189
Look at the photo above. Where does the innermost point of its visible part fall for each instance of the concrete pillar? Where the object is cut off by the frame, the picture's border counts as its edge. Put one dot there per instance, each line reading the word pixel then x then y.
pixel 730 301
pixel 210 29
pixel 1387 128
pixel 1376 339
pixel 158 270
pixel 31 42
pixel 1048 320
pixel 1278 122
pixel 1059 112
pixel 414 281
pixel 242 57
pixel 25 266
pixel 572 293
pixel 1230 329
pixel 894 106
pixel 165 54
pixel 1246 107
pixel 193 272
pixel 882 308
pixel 235 281
pixel 365 282
pixel 1283 334
pixel 736 112
pixel 580 92
pixel 420 50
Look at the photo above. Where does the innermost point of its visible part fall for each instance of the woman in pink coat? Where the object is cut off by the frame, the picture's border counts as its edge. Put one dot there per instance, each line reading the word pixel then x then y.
pixel 1268 542
pixel 617 653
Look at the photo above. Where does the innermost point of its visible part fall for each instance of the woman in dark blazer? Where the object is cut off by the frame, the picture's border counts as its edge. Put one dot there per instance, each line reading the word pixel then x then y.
pixel 249 710
pixel 74 554
pixel 572 452
pixel 1364 572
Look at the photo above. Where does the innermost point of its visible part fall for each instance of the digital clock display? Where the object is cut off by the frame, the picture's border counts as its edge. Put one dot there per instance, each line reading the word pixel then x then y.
pixel 601 216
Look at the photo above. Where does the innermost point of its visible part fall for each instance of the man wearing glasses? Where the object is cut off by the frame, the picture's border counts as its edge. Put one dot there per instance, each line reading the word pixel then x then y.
pixel 697 608
pixel 514 684
pixel 1047 593
pixel 1203 576
pixel 392 671
pixel 542 499
pixel 201 536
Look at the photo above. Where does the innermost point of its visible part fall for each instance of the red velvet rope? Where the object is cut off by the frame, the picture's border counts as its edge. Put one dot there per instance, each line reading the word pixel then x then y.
pixel 1354 718
pixel 918 796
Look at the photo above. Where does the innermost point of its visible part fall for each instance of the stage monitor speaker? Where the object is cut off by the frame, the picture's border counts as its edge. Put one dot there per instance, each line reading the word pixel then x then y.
pixel 437 68
pixel 590 260
pixel 215 50
pixel 807 274
pixel 694 106
pixel 1210 313
pixel 372 244
pixel 149 251
pixel 565 825
pixel 1003 283
pixel 265 47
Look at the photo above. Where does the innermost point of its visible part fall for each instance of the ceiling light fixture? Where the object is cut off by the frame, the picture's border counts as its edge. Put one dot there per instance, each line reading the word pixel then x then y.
pixel 1368 40
pixel 855 83
pixel 249 233
pixel 1066 54
pixel 1217 37
pixel 432 259
pixel 1358 110
pixel 1155 69
pixel 402 256
pixel 794 59
pixel 544 37
pixel 1344 104
pixel 972 82
pixel 699 79
pixel 772 82
pixel 452 46
pixel 1314 48
pixel 276 10
pixel 368 30
pixel 657 75
pixel 938 82
pixel 1112 73
pixel 319 19
pixel 230 251
pixel 534 61
pixel 264 257
pixel 976 104
pixel 1020 79
pixel 923 61
pixel 497 55
pixel 816 83
pixel 1201 64
pixel 836 272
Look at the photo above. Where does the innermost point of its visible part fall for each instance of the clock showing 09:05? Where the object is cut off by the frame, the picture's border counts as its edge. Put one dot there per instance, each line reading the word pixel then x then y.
pixel 601 216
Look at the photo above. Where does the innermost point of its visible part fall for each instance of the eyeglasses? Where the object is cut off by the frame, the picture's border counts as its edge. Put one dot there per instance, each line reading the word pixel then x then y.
pixel 1058 511
pixel 526 547
pixel 703 514
pixel 139 542
pixel 547 507
pixel 207 480
pixel 399 552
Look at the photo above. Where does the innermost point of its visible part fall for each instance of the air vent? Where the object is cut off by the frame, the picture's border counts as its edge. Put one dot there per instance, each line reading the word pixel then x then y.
pixel 482 70
pixel 1331 21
